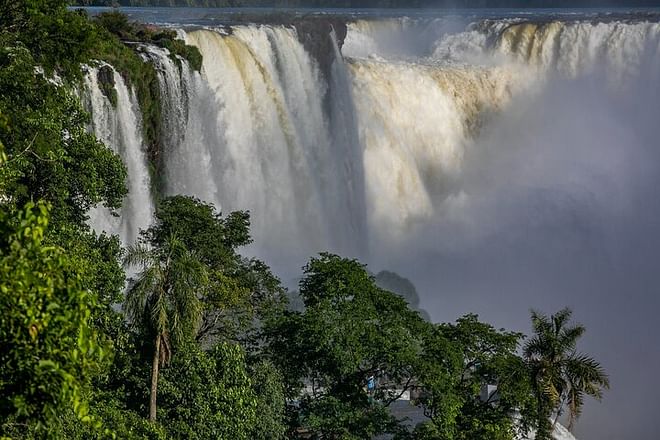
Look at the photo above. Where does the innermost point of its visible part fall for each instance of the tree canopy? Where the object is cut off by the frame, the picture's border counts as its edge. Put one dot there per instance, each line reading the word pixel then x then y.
pixel 349 332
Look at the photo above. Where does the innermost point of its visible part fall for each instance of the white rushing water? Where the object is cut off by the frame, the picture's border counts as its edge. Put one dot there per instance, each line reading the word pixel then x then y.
pixel 363 153
pixel 420 106
pixel 119 127
pixel 256 137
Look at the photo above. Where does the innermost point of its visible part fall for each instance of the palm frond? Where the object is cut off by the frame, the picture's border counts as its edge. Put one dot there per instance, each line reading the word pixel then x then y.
pixel 138 255
pixel 534 347
pixel 586 373
pixel 568 337
pixel 188 281
pixel 540 323
pixel 560 319
pixel 561 376
pixel 575 401
pixel 138 294
pixel 159 310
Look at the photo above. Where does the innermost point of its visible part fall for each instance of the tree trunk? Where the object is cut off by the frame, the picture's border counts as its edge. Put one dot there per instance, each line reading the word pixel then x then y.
pixel 154 380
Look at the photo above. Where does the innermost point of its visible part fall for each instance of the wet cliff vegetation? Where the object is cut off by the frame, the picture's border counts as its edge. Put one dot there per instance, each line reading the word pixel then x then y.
pixel 119 43
pixel 179 335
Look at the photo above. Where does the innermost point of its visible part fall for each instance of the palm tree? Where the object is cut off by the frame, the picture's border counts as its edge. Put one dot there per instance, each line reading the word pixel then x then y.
pixel 560 375
pixel 163 299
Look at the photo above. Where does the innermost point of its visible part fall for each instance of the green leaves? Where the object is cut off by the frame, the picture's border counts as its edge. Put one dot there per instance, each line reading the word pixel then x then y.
pixel 237 290
pixel 458 361
pixel 350 330
pixel 48 348
pixel 208 394
pixel 58 38
pixel 165 295
pixel 50 155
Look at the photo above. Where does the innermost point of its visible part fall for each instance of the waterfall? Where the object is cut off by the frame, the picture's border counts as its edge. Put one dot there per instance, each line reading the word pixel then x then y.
pixel 119 127
pixel 572 49
pixel 421 105
pixel 264 133
pixel 187 106
pixel 337 160
pixel 415 123
pixel 346 143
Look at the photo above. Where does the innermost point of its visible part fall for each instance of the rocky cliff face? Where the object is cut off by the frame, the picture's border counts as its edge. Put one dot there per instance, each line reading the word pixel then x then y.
pixel 106 80
pixel 316 35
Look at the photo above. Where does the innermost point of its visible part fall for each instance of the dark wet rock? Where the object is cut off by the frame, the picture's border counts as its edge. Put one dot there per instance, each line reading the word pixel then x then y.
pixel 316 35
pixel 106 78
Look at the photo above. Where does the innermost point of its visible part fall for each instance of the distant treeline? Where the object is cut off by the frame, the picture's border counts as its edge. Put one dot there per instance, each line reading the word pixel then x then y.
pixel 375 3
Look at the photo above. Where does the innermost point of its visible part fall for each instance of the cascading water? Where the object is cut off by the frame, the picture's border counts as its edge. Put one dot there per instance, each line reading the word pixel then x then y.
pixel 337 160
pixel 581 48
pixel 420 110
pixel 415 123
pixel 261 160
pixel 187 136
pixel 119 127
pixel 258 137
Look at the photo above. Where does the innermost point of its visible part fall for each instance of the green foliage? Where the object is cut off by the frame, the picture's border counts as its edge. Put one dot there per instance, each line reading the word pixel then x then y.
pixel 270 414
pixel 106 82
pixel 118 42
pixel 49 349
pixel 178 48
pixel 459 361
pixel 561 377
pixel 59 39
pixel 239 289
pixel 204 231
pixel 70 277
pixel 162 303
pixel 125 424
pixel 335 417
pixel 350 330
pixel 395 283
pixel 163 298
pixel 139 74
pixel 51 156
pixel 118 24
pixel 208 394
